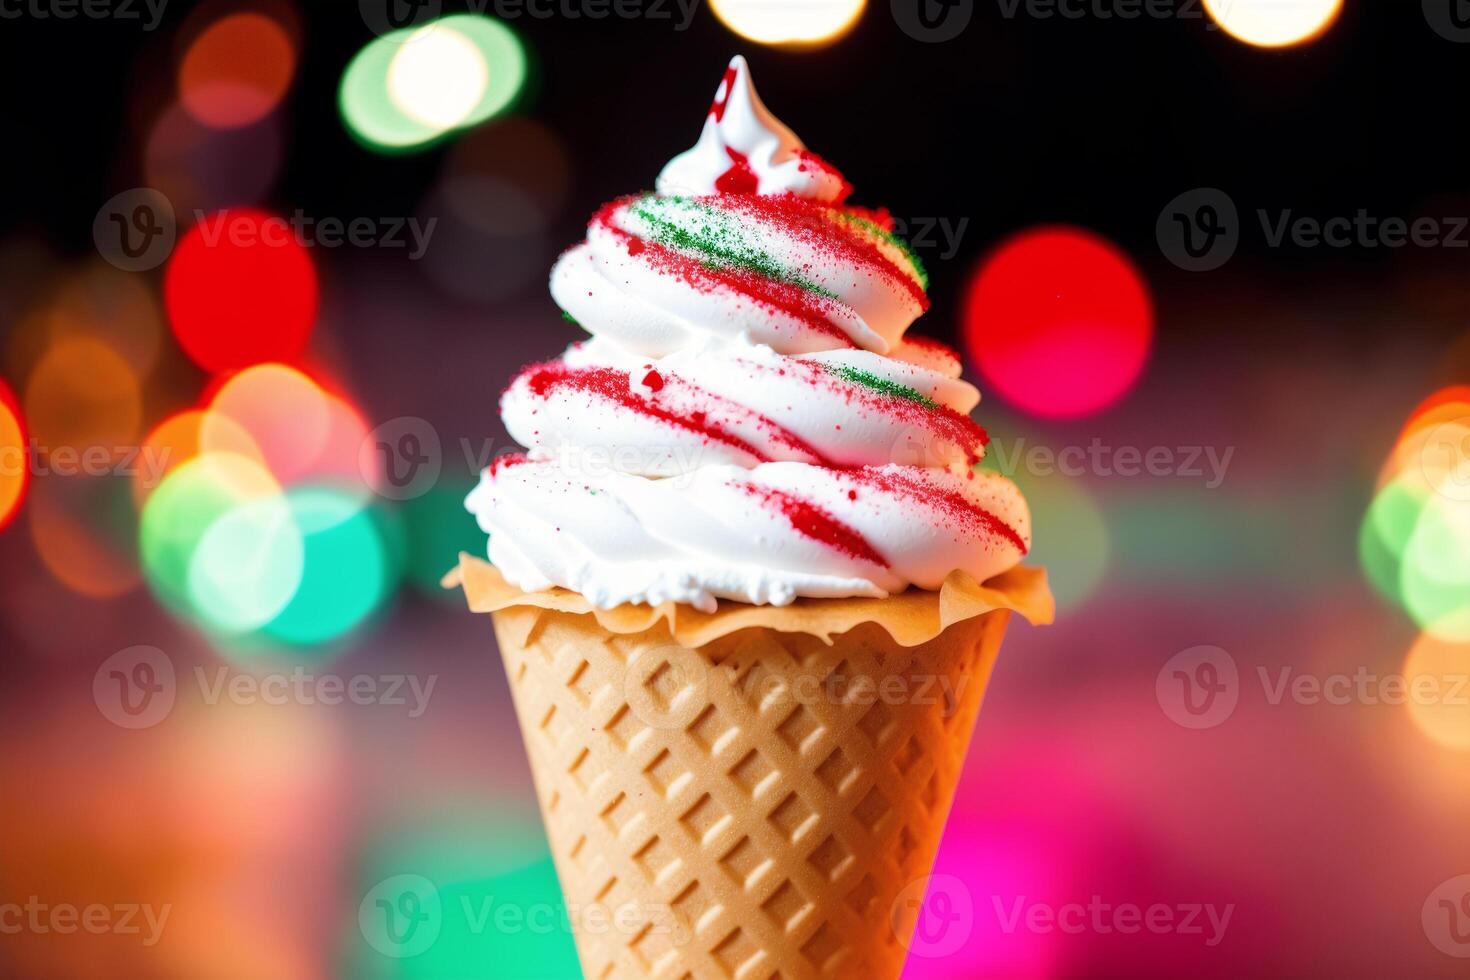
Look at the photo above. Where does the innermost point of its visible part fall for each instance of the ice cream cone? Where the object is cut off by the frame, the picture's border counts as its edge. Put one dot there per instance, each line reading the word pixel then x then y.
pixel 726 797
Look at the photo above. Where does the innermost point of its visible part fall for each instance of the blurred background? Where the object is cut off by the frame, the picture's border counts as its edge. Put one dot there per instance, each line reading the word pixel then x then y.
pixel 265 267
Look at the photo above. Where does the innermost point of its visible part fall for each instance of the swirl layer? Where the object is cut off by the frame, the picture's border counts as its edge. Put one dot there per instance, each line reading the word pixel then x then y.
pixel 748 420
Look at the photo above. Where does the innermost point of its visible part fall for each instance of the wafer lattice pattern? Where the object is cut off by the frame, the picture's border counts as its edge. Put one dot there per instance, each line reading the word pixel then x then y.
pixel 724 813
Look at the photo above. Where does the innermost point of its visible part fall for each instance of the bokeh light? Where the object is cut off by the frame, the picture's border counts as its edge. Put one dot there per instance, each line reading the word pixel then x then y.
pixel 260 531
pixel 84 530
pixel 1435 574
pixel 284 412
pixel 180 438
pixel 98 302
pixel 1059 322
pixel 83 396
pixel 1273 23
pixel 15 467
pixel 346 573
pixel 789 22
pixel 181 511
pixel 237 70
pixel 247 566
pixel 200 168
pixel 1416 534
pixel 1071 537
pixel 240 289
pixel 1436 669
pixel 409 88
pixel 437 78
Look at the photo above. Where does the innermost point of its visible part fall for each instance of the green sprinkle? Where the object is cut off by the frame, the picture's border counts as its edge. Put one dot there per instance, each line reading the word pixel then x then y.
pixel 879 231
pixel 882 386
pixel 721 245
pixel 569 318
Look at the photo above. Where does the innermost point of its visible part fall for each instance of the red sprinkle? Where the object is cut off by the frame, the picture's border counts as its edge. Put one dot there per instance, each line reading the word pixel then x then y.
pixel 722 99
pixel 614 386
pixel 506 462
pixel 913 484
pixel 654 381
pixel 813 522
pixel 812 311
pixel 739 179
pixel 810 162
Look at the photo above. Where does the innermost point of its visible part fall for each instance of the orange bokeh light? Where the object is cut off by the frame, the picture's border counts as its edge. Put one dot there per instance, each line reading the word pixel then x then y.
pixel 1437 706
pixel 84 395
pixel 237 71
pixel 14 459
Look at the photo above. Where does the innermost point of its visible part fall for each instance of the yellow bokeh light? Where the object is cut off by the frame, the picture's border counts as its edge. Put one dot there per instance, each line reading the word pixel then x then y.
pixel 1435 673
pixel 1273 23
pixel 789 21
pixel 438 77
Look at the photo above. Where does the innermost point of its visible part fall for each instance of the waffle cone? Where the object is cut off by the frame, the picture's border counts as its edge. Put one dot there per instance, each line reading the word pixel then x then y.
pixel 764 803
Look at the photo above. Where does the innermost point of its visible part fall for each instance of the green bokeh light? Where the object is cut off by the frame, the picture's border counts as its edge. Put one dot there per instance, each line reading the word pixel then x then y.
pixel 368 109
pixel 1435 575
pixel 181 511
pixel 1385 533
pixel 346 572
pixel 247 566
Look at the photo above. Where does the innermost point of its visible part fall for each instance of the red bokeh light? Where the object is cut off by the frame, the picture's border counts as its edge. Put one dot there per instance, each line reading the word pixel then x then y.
pixel 240 289
pixel 1058 321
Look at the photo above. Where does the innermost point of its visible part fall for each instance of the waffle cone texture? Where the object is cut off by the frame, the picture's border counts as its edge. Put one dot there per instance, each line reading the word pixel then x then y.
pixel 754 793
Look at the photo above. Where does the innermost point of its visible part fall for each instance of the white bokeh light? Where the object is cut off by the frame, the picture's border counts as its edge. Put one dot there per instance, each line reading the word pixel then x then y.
pixel 438 77
pixel 789 21
pixel 1273 23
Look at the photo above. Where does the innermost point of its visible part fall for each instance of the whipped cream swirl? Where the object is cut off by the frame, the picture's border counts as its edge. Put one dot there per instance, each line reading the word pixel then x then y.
pixel 748 420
